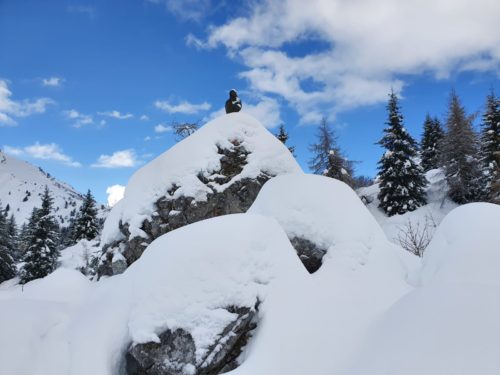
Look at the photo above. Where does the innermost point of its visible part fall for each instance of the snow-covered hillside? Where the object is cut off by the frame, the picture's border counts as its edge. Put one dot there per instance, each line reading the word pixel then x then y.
pixel 21 187
pixel 427 217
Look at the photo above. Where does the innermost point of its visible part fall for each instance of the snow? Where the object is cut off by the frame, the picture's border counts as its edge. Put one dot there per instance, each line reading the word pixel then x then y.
pixel 79 255
pixel 450 324
pixel 430 215
pixel 332 216
pixel 180 166
pixel 184 279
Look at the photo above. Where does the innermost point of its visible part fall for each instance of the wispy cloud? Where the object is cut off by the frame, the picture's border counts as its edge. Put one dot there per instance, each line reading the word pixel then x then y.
pixel 116 114
pixel 183 107
pixel 53 81
pixel 144 118
pixel 86 10
pixel 119 159
pixel 160 128
pixel 9 108
pixel 193 10
pixel 78 119
pixel 49 151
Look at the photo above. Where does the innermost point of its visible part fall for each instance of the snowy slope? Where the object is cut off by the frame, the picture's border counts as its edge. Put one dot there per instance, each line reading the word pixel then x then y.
pixel 437 207
pixel 450 324
pixel 21 186
pixel 181 165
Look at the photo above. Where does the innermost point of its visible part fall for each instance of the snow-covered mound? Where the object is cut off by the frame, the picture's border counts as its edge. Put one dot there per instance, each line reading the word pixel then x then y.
pixel 216 171
pixel 196 279
pixel 312 325
pixel 21 187
pixel 450 324
pixel 322 211
pixel 466 247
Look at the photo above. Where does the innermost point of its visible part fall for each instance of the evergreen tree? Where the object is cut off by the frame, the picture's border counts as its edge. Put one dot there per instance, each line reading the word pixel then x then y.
pixel 327 158
pixel 459 154
pixel 7 265
pixel 283 137
pixel 13 236
pixel 402 181
pixel 86 224
pixel 431 139
pixel 490 150
pixel 41 254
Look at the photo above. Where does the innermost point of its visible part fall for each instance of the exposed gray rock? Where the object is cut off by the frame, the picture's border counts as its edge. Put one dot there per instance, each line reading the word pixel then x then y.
pixel 309 253
pixel 175 354
pixel 173 213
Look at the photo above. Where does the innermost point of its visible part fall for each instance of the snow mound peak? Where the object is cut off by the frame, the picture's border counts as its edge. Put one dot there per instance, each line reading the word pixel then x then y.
pixel 465 247
pixel 322 210
pixel 192 168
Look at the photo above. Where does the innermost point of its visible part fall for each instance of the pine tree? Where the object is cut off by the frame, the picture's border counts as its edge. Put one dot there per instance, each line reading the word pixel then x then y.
pixel 459 154
pixel 327 158
pixel 87 224
pixel 41 254
pixel 431 139
pixel 402 181
pixel 490 150
pixel 283 137
pixel 13 236
pixel 7 265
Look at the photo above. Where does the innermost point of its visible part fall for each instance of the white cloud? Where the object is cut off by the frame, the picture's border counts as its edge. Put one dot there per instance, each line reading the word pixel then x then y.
pixel 183 107
pixel 119 159
pixel 160 128
pixel 369 47
pixel 144 118
pixel 49 151
pixel 52 81
pixel 9 109
pixel 147 138
pixel 115 194
pixel 116 115
pixel 79 119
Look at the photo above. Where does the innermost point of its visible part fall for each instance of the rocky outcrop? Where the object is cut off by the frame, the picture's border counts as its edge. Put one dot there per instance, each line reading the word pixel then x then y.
pixel 310 254
pixel 172 213
pixel 175 354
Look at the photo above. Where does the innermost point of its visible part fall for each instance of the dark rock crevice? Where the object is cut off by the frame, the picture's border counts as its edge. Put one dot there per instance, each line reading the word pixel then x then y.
pixel 309 253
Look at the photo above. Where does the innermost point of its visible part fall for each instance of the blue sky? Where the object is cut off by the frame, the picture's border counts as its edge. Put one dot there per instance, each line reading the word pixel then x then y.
pixel 86 87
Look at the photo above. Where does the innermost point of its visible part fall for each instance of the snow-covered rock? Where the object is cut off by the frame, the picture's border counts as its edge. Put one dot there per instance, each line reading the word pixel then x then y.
pixel 218 170
pixel 319 214
pixel 23 184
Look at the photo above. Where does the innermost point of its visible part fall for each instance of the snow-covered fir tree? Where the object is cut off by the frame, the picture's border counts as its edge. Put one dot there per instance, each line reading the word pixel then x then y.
pixel 41 254
pixel 86 223
pixel 402 180
pixel 13 235
pixel 283 137
pixel 459 155
pixel 327 158
pixel 431 139
pixel 7 264
pixel 490 150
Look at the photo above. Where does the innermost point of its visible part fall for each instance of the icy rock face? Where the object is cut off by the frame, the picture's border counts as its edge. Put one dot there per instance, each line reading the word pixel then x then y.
pixel 196 293
pixel 218 170
pixel 318 214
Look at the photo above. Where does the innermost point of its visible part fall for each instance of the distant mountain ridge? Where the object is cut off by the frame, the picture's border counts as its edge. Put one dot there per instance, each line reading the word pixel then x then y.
pixel 21 185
